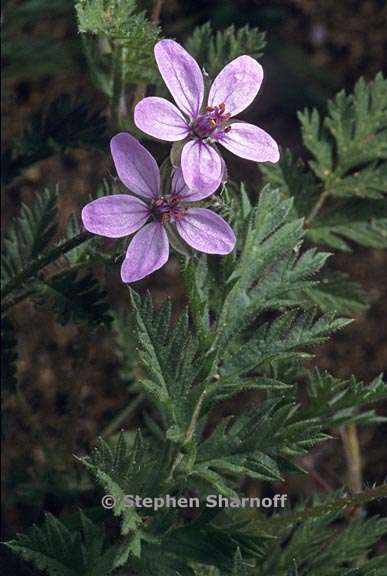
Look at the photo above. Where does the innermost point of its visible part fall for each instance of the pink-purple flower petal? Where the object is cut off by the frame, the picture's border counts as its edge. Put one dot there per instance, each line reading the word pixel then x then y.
pixel 136 167
pixel 178 185
pixel 206 231
pixel 182 76
pixel 147 252
pixel 236 85
pixel 250 142
pixel 161 119
pixel 115 216
pixel 180 188
pixel 202 167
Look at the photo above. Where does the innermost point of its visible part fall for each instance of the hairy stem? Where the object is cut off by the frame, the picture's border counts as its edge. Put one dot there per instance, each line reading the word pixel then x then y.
pixel 202 332
pixel 41 261
pixel 316 208
pixel 117 86
pixel 139 94
pixel 156 12
pixel 140 89
pixel 314 474
pixel 350 439
pixel 188 435
pixel 24 294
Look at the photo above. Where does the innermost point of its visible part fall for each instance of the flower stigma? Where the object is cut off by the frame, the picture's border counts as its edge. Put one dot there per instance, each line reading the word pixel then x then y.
pixel 167 209
pixel 213 123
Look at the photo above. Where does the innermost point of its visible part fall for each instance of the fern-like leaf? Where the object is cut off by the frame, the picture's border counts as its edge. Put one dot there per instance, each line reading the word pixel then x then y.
pixel 67 124
pixel 213 50
pixel 74 297
pixel 58 551
pixel 338 401
pixel 128 31
pixel 29 234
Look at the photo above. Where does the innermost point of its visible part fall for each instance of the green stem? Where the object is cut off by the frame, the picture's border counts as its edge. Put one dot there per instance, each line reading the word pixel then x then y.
pixel 117 86
pixel 316 208
pixel 139 94
pixel 20 296
pixel 140 88
pixel 195 305
pixel 156 12
pixel 41 261
pixel 352 451
pixel 188 435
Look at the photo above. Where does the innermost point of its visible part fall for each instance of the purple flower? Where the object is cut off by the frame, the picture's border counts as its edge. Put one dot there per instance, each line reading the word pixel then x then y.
pixel 234 88
pixel 119 215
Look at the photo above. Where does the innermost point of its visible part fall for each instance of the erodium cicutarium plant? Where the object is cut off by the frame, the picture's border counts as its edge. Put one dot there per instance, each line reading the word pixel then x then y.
pixel 201 168
pixel 119 215
pixel 198 387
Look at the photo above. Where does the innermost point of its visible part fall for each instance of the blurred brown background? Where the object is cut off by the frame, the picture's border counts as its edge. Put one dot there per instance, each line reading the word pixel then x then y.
pixel 68 376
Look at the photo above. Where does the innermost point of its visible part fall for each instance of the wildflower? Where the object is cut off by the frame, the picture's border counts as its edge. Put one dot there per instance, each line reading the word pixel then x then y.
pixel 119 215
pixel 234 88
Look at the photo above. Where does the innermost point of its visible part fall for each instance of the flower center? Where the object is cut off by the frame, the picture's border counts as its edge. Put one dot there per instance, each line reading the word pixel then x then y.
pixel 213 123
pixel 167 209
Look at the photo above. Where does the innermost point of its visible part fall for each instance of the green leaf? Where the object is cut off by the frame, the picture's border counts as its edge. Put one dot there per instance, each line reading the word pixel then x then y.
pixel 358 123
pixel 317 548
pixel 197 292
pixel 320 147
pixel 169 356
pixel 108 17
pixel 67 124
pixel 226 388
pixel 84 252
pixel 59 551
pixel 351 140
pixel 31 59
pixel 213 50
pixel 125 349
pixel 336 292
pixel 285 337
pixel 112 26
pixel 257 444
pixel 268 242
pixel 124 469
pixel 239 568
pixel 214 538
pixel 29 234
pixel 362 222
pixel 342 195
pixel 337 401
pixel 74 297
pixel 295 181
pixel 370 182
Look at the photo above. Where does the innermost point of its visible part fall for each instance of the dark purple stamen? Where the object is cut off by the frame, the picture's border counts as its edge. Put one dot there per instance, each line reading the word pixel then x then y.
pixel 167 209
pixel 213 123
